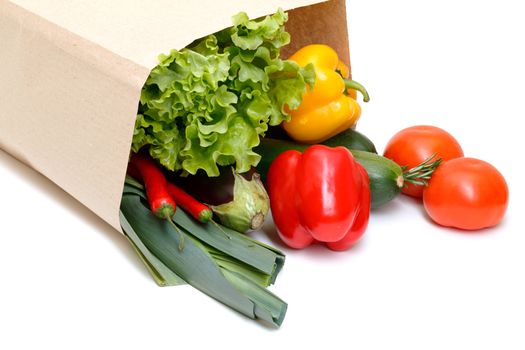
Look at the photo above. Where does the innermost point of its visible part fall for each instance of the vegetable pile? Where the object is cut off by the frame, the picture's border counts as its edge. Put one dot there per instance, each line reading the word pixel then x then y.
pixel 227 130
pixel 192 190
pixel 223 263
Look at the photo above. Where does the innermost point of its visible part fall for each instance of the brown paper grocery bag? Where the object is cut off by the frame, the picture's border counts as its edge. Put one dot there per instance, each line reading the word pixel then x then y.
pixel 71 72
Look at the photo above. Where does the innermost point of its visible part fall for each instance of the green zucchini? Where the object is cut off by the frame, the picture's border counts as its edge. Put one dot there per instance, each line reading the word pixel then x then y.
pixel 352 139
pixel 386 177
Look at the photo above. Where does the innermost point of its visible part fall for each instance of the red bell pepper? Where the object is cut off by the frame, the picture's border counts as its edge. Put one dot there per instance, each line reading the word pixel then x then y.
pixel 320 195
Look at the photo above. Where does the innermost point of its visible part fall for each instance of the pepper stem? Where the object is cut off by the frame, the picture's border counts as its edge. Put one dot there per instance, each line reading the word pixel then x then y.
pixel 181 235
pixel 354 85
pixel 220 228
pixel 205 215
pixel 420 174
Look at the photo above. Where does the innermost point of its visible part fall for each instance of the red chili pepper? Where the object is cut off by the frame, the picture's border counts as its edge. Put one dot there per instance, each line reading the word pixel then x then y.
pixel 320 195
pixel 195 208
pixel 133 172
pixel 160 201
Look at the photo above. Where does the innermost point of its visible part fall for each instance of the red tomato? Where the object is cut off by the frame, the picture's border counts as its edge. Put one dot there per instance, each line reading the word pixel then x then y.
pixel 466 193
pixel 413 145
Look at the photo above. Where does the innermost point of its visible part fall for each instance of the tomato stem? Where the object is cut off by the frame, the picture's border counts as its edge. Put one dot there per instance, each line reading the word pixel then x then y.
pixel 420 174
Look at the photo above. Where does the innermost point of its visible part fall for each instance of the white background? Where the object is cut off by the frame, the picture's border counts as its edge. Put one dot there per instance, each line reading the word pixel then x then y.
pixel 69 281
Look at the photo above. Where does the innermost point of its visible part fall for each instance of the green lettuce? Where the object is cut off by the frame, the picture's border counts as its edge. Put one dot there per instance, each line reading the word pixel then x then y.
pixel 208 104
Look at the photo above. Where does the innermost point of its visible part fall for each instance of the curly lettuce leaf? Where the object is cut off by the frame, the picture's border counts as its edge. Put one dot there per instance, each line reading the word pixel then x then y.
pixel 208 104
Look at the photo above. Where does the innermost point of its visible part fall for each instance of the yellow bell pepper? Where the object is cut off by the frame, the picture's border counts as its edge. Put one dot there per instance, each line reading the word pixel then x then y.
pixel 330 106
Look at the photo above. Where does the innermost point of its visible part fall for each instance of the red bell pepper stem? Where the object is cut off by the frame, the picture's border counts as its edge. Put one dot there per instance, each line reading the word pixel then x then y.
pixel 195 208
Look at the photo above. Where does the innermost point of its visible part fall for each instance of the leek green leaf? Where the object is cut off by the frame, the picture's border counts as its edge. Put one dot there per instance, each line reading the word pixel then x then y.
pixel 162 275
pixel 196 265
pixel 234 244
